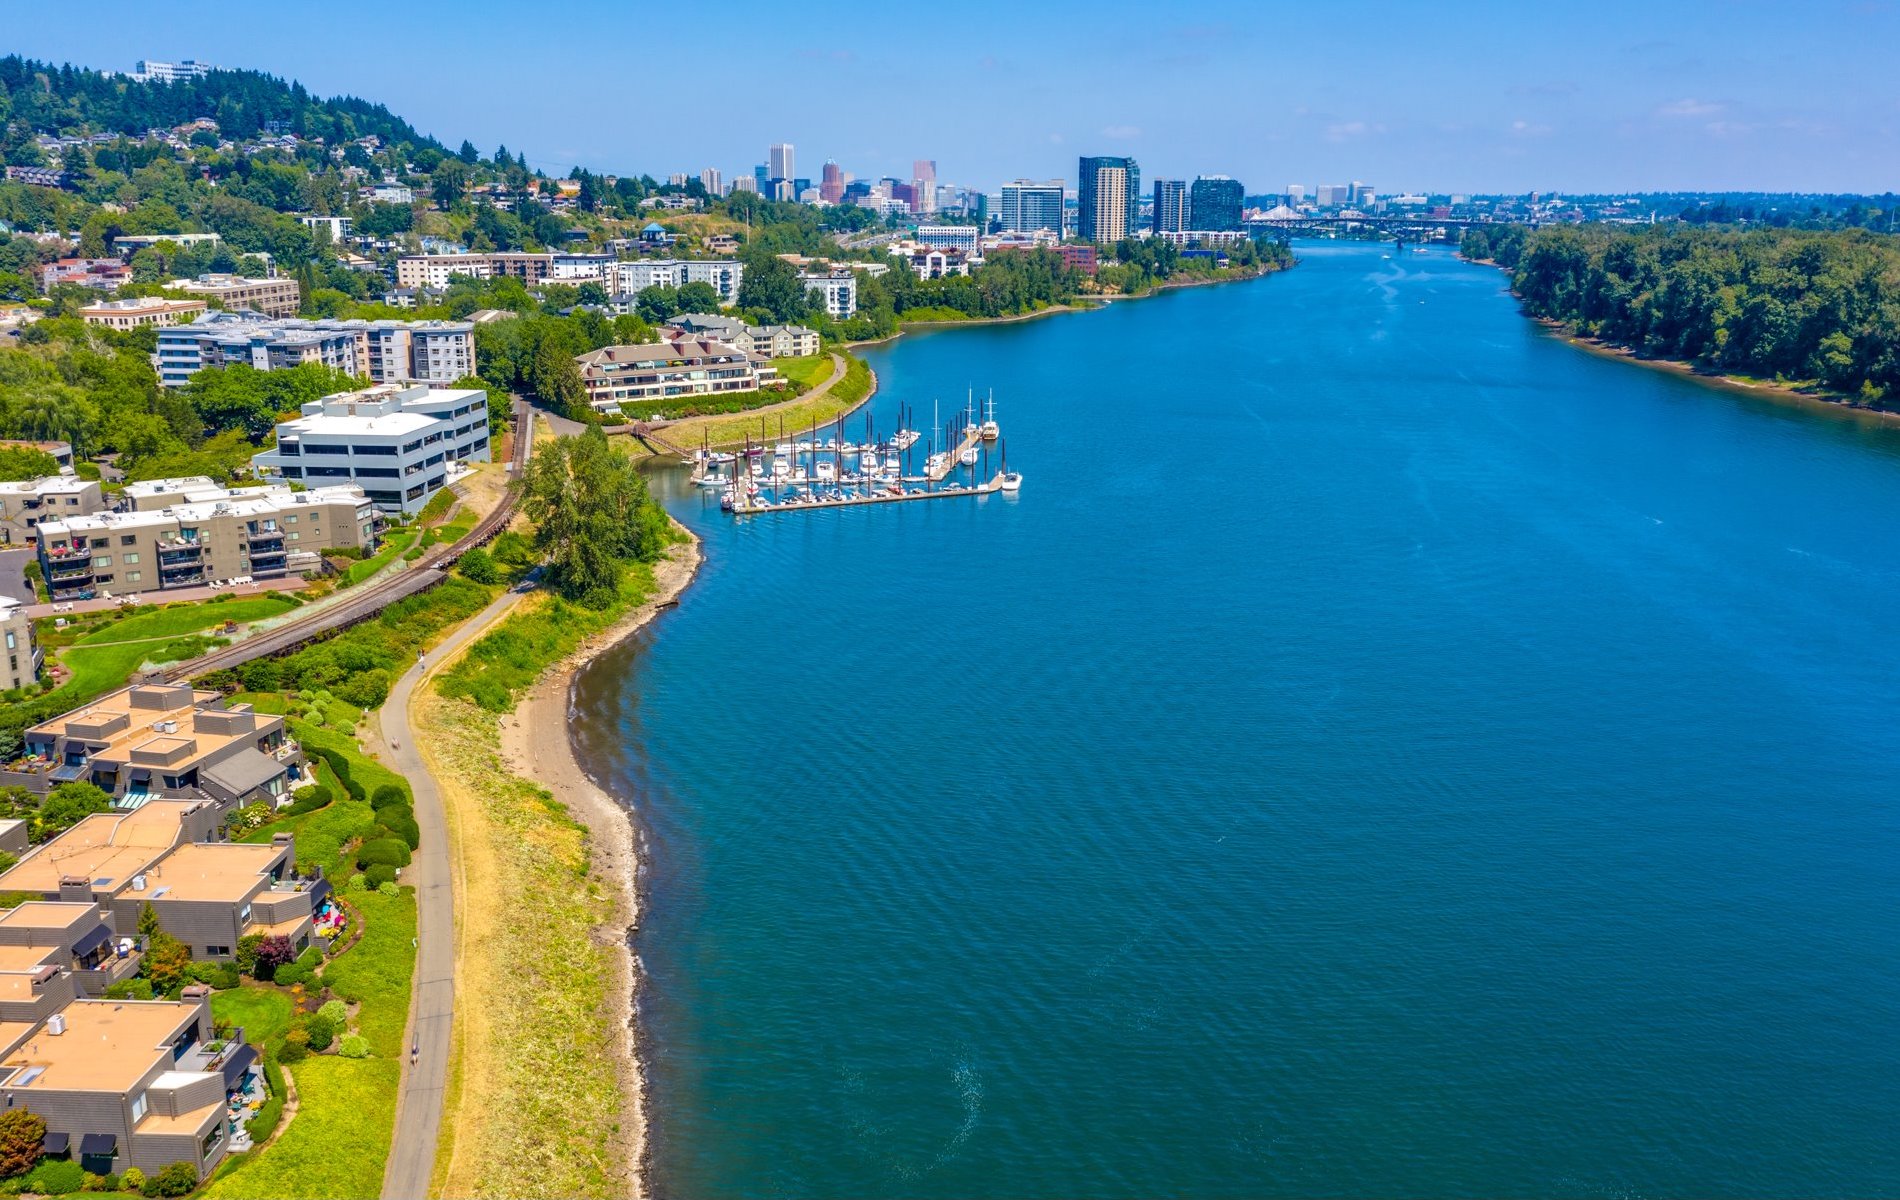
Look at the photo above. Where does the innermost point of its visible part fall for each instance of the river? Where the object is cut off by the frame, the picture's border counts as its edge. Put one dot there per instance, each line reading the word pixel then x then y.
pixel 1382 750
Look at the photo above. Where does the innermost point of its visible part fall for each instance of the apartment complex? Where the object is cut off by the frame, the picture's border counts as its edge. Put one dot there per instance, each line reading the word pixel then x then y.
pixel 435 270
pixel 933 262
pixel 149 742
pixel 837 289
pixel 723 275
pixel 20 656
pixel 148 310
pixel 398 444
pixel 687 367
pixel 951 237
pixel 1108 198
pixel 103 274
pixel 762 341
pixel 27 503
pixel 260 533
pixel 277 296
pixel 1027 206
pixel 385 351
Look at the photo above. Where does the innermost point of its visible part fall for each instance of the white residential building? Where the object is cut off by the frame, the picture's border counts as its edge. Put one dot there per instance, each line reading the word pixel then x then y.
pixel 388 193
pixel 958 237
pixel 573 268
pixel 400 445
pixel 384 351
pixel 837 288
pixel 724 275
pixel 338 227
pixel 148 71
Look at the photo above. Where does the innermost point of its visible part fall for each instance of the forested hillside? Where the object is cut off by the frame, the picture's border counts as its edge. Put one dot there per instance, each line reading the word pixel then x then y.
pixel 1779 304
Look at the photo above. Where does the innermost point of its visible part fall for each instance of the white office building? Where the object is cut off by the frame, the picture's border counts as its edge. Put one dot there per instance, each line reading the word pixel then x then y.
pixel 631 278
pixel 950 237
pixel 400 445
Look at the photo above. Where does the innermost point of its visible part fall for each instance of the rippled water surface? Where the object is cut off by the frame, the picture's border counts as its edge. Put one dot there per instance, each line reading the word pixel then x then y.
pixel 1384 750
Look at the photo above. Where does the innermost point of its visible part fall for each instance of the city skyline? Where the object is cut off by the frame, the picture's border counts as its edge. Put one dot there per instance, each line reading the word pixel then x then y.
pixel 1756 98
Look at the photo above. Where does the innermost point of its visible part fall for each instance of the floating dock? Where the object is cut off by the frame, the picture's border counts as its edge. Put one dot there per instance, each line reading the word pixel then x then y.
pixel 745 507
pixel 972 438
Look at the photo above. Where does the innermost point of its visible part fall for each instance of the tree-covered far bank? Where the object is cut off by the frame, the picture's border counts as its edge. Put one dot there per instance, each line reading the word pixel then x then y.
pixel 1790 305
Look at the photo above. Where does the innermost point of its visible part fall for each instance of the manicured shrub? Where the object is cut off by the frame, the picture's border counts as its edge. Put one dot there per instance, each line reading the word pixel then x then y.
pixel 353 1045
pixel 388 889
pixel 359 882
pixel 133 1180
pixel 130 989
pixel 292 974
pixel 380 874
pixel 335 1012
pixel 387 794
pixel 102 1183
pixel 321 1032
pixel 292 1052
pixel 175 1180
pixel 479 566
pixel 403 826
pixel 55 1177
pixel 392 851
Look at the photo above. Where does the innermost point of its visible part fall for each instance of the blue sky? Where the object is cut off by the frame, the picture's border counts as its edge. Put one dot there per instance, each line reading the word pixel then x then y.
pixel 1604 95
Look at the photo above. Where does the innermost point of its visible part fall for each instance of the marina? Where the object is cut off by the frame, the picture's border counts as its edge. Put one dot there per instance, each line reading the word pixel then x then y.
pixel 806 473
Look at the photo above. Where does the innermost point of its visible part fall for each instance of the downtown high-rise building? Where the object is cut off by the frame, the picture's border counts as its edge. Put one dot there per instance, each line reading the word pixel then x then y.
pixel 1361 194
pixel 779 161
pixel 1108 198
pixel 1214 203
pixel 831 183
pixel 712 181
pixel 924 170
pixel 1027 206
pixel 1171 206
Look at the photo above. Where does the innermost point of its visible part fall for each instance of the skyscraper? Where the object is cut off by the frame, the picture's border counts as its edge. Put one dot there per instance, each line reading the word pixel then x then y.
pixel 779 161
pixel 1171 205
pixel 710 180
pixel 924 170
pixel 1108 198
pixel 1027 206
pixel 1361 193
pixel 831 184
pixel 1214 203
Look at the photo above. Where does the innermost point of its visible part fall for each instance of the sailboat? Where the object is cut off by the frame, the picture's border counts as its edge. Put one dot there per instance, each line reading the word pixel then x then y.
pixel 991 430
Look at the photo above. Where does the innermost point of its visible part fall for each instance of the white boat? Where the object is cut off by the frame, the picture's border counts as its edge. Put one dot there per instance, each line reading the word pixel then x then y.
pixel 781 471
pixel 799 475
pixel 803 447
pixel 1012 481
pixel 758 471
pixel 868 460
pixel 905 439
pixel 937 461
pixel 991 430
pixel 968 456
pixel 712 481
pixel 826 471
pixel 782 450
pixel 721 457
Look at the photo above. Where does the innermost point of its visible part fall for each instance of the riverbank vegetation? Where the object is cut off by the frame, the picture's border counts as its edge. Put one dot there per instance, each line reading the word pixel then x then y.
pixel 1804 309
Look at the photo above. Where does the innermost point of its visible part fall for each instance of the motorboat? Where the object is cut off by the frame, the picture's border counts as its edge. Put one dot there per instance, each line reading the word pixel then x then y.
pixel 968 456
pixel 826 471
pixel 1011 481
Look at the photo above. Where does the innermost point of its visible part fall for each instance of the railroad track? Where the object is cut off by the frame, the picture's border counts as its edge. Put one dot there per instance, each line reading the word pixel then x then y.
pixel 371 599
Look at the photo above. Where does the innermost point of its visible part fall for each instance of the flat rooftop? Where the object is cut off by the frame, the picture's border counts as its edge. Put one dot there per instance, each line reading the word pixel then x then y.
pixel 105 849
pixel 226 871
pixel 23 961
pixel 108 1046
pixel 48 914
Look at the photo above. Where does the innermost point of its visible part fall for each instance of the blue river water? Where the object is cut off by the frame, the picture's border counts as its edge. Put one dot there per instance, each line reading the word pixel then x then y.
pixel 1383 750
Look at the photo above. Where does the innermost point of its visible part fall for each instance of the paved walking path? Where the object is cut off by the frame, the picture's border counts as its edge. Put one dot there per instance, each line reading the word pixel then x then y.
pixel 432 1007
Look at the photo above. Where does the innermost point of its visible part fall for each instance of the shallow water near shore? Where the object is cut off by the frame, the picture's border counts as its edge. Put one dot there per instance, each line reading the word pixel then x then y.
pixel 1384 750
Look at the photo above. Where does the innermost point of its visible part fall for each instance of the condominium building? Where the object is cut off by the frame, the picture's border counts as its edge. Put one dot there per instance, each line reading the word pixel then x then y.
pixel 1027 207
pixel 103 274
pixel 28 502
pixel 837 289
pixel 151 495
pixel 687 367
pixel 337 228
pixel 125 1083
pixel 127 244
pixel 783 341
pixel 1215 203
pixel 147 310
pixel 723 275
pixel 761 341
pixel 574 268
pixel 388 193
pixel 1108 198
pixel 277 296
pixel 20 657
pixel 258 533
pixel 931 262
pixel 61 452
pixel 386 351
pixel 435 270
pixel 77 937
pixel 951 237
pixel 149 71
pixel 399 444
pixel 144 744
pixel 1170 206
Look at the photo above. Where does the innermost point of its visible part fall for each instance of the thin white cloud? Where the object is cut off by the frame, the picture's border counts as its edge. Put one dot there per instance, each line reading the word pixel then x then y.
pixel 1121 133
pixel 1690 108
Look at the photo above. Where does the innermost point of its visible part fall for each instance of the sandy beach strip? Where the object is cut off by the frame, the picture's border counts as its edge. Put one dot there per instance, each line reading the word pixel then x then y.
pixel 537 745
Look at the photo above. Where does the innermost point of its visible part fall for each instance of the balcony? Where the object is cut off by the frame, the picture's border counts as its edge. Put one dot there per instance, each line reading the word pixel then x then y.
pixel 172 541
pixel 59 552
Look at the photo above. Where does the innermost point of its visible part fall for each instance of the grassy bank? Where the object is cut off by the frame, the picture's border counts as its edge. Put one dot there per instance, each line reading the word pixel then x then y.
pixel 822 408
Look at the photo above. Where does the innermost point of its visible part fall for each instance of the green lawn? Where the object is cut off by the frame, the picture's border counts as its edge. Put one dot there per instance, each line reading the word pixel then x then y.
pixel 336 1145
pixel 396 542
pixel 264 1013
pixel 178 619
pixel 99 669
pixel 807 372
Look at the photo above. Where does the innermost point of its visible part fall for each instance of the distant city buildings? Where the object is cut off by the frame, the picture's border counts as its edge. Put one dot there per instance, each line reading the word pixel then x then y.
pixel 1108 198
pixel 1026 207
pixel 780 163
pixel 1170 214
pixel 1214 203
pixel 831 183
